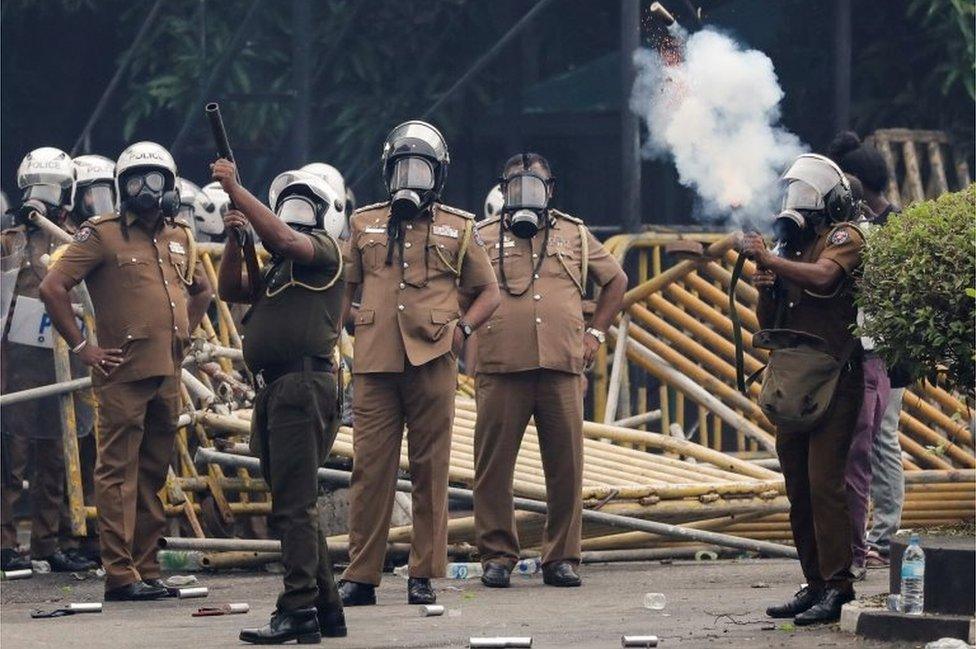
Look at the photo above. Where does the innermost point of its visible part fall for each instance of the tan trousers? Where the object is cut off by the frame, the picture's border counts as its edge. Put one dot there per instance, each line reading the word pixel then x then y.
pixel 46 492
pixel 505 404
pixel 137 421
pixel 422 397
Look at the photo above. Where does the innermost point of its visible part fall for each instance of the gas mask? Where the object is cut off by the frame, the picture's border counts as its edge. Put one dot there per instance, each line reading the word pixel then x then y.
pixel 411 185
pixel 415 161
pixel 43 199
pixel 526 203
pixel 145 191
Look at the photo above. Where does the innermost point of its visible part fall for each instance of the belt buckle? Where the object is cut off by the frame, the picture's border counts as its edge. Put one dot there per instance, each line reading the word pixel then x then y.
pixel 259 380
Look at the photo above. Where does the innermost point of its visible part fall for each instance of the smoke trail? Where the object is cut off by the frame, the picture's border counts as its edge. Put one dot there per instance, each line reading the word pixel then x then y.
pixel 715 113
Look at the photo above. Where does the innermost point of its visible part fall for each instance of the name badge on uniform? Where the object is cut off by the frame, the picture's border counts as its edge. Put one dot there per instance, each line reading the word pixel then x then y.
pixel 507 243
pixel 375 230
pixel 445 231
pixel 31 325
pixel 176 247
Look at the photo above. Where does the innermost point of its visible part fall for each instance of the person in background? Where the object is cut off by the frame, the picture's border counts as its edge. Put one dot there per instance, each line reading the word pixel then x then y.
pixel 883 471
pixel 33 428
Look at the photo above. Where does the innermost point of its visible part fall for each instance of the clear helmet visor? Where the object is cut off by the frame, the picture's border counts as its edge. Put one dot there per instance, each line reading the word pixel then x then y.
pixel 48 194
pixel 525 191
pixel 186 213
pixel 802 196
pixel 95 199
pixel 412 173
pixel 297 210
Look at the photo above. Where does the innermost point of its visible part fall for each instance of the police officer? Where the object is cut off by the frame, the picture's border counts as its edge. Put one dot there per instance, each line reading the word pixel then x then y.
pixel 809 288
pixel 149 296
pixel 290 334
pixel 531 357
pixel 47 178
pixel 413 257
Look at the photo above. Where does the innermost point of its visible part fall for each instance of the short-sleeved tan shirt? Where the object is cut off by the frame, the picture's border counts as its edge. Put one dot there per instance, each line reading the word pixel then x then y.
pixel 540 322
pixel 410 309
pixel 138 285
pixel 831 316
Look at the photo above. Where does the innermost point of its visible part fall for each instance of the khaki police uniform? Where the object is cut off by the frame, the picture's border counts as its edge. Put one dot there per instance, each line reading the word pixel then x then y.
pixel 36 425
pixel 814 461
pixel 138 280
pixel 404 372
pixel 290 335
pixel 530 364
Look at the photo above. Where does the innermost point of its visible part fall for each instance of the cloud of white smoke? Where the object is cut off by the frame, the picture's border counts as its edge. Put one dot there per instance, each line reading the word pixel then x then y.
pixel 716 115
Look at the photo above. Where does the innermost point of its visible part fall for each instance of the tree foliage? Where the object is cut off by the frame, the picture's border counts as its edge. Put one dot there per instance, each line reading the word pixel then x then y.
pixel 917 289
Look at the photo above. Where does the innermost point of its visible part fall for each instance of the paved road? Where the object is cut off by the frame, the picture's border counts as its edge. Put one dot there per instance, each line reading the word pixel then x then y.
pixel 709 604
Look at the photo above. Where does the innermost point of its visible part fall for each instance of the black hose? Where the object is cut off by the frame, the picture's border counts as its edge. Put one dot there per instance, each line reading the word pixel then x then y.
pixel 740 372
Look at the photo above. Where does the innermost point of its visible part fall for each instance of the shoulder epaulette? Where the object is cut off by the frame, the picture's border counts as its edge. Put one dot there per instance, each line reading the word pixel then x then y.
pixel 563 215
pixel 101 218
pixel 455 211
pixel 17 229
pixel 486 222
pixel 183 223
pixel 374 206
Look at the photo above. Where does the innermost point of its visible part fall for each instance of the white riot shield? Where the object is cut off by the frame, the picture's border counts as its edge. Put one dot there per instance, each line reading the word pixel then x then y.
pixel 10 265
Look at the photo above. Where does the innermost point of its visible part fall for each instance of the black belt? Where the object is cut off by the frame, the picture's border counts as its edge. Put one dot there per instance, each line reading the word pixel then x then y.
pixel 272 373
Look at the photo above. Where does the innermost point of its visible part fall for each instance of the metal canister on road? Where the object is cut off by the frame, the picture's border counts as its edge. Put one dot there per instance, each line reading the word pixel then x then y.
pixel 500 643
pixel 638 641
pixel 10 575
pixel 191 593
pixel 431 610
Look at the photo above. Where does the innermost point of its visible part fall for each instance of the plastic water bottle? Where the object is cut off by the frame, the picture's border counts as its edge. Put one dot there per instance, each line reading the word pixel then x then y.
pixel 913 578
pixel 528 567
pixel 464 570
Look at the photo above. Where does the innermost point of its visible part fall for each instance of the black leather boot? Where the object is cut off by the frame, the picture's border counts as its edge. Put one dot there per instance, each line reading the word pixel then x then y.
pixel 802 600
pixel 496 575
pixel 354 593
pixel 300 625
pixel 10 559
pixel 138 591
pixel 332 621
pixel 827 609
pixel 61 562
pixel 560 573
pixel 419 591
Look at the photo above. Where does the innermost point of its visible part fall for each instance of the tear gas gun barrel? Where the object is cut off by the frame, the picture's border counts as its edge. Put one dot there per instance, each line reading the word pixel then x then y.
pixel 244 238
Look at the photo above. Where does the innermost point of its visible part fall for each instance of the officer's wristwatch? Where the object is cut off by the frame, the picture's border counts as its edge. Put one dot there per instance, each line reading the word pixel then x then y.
pixel 466 329
pixel 596 333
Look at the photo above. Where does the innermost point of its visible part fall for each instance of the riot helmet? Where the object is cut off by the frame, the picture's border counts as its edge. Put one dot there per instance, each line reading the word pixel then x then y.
pixel 145 180
pixel 213 202
pixel 190 197
pixel 94 186
pixel 305 201
pixel 494 203
pixel 816 191
pixel 415 161
pixel 47 178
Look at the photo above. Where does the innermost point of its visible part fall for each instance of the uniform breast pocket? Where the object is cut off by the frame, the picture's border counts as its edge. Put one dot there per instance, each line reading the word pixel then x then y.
pixel 562 262
pixel 179 262
pixel 443 258
pixel 372 249
pixel 133 270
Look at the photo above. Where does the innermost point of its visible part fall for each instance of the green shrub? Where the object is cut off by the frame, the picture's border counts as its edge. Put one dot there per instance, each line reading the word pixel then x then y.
pixel 917 289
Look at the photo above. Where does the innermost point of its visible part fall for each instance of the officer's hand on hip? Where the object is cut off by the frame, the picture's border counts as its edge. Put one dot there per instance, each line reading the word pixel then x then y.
pixel 225 172
pixel 234 219
pixel 763 278
pixel 104 360
pixel 590 347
